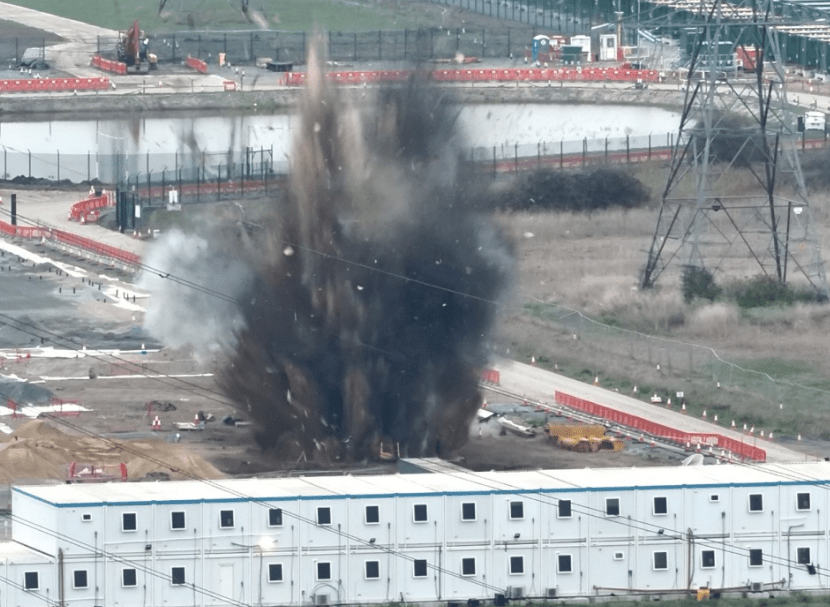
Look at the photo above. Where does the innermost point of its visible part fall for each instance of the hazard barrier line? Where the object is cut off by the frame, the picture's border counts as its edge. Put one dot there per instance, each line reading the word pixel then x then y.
pixel 490 376
pixel 117 67
pixel 197 64
pixel 576 74
pixel 68 238
pixel 36 85
pixel 694 439
pixel 89 209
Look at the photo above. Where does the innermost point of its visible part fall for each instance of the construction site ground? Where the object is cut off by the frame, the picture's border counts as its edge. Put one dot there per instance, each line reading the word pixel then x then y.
pixel 95 352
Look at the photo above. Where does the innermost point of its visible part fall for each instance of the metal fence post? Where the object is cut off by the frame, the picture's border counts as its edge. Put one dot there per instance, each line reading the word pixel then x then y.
pixel 561 153
pixel 30 164
pixel 584 149
pixel 219 181
pixel 516 156
pixel 59 165
pixel 380 45
pixel 627 149
pixel 88 175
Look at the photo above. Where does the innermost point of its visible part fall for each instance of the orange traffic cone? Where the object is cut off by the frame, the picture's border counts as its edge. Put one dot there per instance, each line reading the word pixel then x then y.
pixel 156 425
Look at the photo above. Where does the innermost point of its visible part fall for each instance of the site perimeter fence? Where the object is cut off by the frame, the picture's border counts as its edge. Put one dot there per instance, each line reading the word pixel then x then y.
pixel 780 405
pixel 244 47
pixel 205 173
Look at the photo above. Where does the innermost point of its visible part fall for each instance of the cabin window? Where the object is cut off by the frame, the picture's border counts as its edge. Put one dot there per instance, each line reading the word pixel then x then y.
pixel 372 515
pixel 372 570
pixel 128 521
pixel 419 513
pixel 177 520
pixel 517 565
pixel 128 578
pixel 419 568
pixel 275 572
pixel 468 511
pixel 324 516
pixel 324 571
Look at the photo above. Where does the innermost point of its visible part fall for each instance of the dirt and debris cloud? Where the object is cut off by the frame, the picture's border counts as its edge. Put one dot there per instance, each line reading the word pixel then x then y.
pixel 365 301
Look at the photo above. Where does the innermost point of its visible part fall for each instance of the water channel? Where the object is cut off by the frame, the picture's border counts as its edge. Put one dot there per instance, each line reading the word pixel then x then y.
pixel 81 149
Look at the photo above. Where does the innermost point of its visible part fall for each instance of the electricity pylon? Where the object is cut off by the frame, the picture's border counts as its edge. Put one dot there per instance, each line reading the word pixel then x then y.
pixel 735 191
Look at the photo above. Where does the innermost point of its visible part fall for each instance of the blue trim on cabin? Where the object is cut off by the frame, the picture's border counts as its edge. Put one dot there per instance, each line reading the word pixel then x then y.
pixel 329 498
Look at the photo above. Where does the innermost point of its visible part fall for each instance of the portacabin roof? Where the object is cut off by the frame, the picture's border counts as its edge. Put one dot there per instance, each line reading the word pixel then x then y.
pixel 13 552
pixel 449 483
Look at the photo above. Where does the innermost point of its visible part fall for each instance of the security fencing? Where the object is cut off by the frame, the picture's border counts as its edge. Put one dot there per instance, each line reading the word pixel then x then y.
pixel 97 168
pixel 235 171
pixel 244 47
pixel 694 374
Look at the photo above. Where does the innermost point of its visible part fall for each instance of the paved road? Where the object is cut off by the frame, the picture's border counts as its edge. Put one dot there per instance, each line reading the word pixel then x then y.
pixel 539 384
pixel 72 56
pixel 51 208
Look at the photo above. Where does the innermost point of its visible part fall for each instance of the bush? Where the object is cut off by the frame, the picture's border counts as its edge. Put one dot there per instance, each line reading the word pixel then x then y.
pixel 735 140
pixel 762 291
pixel 549 190
pixel 699 283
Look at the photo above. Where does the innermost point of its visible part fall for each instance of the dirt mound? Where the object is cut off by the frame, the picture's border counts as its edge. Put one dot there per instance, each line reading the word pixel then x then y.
pixel 39 450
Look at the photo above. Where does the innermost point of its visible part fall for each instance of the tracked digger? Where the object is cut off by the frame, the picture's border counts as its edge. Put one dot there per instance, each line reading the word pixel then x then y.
pixel 133 50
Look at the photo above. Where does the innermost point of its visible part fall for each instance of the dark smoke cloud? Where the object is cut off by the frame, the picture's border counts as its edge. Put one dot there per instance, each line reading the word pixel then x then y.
pixel 367 299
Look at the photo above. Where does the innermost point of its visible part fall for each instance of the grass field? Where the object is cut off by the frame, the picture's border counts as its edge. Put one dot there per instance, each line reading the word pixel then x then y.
pixel 742 365
pixel 289 15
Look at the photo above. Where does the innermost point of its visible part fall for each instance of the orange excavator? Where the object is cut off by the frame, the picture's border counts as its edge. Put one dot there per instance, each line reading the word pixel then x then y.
pixel 132 49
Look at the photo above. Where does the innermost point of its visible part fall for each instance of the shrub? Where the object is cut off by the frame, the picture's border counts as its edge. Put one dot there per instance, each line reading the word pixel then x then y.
pixel 549 190
pixel 763 291
pixel 699 283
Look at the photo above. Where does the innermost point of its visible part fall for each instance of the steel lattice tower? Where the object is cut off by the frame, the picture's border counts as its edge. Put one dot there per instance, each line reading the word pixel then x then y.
pixel 735 191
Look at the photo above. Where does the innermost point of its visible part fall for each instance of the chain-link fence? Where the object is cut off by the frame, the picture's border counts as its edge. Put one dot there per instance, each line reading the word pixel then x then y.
pixel 730 389
pixel 245 47
pixel 232 165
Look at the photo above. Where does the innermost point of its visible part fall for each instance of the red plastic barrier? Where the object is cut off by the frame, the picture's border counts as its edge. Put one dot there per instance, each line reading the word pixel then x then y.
pixel 32 85
pixel 490 376
pixel 107 65
pixel 197 64
pixel 646 426
pixel 81 242
pixel 85 210
pixel 591 74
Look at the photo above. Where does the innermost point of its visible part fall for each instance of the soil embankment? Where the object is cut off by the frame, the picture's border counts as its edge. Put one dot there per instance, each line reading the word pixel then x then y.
pixel 118 105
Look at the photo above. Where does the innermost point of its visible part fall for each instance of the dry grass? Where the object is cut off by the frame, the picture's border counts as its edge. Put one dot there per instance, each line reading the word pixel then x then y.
pixel 592 263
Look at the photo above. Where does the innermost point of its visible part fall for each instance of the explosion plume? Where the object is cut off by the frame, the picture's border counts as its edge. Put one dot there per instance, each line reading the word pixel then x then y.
pixel 364 303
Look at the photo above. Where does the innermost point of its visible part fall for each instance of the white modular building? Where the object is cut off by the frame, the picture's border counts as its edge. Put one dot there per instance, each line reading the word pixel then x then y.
pixel 420 538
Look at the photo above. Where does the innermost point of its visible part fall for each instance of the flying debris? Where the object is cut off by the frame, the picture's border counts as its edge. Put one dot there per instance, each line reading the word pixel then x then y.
pixel 359 314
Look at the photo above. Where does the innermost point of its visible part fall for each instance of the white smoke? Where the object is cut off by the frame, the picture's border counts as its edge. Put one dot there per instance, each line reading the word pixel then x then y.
pixel 199 311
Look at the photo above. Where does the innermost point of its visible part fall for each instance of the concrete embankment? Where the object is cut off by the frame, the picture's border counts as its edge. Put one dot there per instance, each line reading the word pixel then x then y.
pixel 115 105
